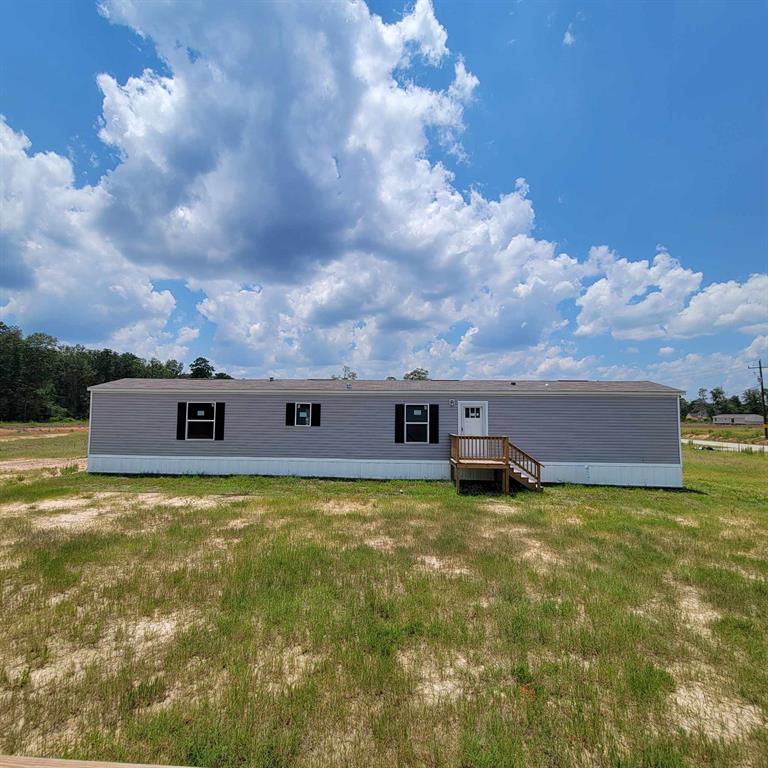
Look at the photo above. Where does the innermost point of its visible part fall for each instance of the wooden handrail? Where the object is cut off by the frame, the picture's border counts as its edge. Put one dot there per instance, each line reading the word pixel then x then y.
pixel 525 461
pixel 487 447
pixel 494 448
pixel 527 455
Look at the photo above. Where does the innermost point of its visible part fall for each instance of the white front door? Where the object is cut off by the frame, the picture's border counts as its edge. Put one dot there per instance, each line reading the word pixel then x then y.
pixel 473 419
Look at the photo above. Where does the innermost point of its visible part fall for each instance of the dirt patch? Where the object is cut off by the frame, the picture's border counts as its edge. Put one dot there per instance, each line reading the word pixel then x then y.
pixel 381 543
pixel 86 512
pixel 41 431
pixel 539 555
pixel 4 438
pixel 347 507
pixel 81 512
pixel 80 520
pixel 744 573
pixel 140 637
pixel 182 502
pixel 650 610
pixel 242 522
pixel 738 528
pixel 51 505
pixel 695 611
pixel 534 551
pixel 7 561
pixel 494 529
pixel 701 709
pixel 449 567
pixel 11 466
pixel 438 680
pixel 499 508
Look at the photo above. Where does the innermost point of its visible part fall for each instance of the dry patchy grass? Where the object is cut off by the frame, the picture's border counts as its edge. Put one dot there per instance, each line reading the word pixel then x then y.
pixel 257 621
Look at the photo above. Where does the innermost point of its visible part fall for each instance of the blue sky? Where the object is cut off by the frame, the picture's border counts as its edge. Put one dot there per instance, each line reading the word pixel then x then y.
pixel 239 198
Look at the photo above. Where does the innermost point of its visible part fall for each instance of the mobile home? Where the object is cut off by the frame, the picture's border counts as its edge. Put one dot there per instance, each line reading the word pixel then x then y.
pixel 741 419
pixel 594 432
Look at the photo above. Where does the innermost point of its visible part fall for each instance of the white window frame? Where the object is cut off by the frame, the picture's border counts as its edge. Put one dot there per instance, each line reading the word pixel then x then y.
pixel 406 423
pixel 296 415
pixel 473 404
pixel 199 421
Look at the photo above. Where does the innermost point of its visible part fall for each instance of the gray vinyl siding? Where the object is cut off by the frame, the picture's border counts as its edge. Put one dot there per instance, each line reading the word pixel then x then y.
pixel 554 428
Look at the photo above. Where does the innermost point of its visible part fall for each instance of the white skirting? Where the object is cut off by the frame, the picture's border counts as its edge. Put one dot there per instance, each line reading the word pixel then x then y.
pixel 379 469
pixel 654 475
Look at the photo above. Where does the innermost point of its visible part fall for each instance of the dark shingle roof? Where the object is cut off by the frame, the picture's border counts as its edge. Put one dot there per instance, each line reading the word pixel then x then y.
pixel 447 386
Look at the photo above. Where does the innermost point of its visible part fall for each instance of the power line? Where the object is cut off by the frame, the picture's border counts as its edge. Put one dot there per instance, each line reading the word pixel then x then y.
pixel 759 367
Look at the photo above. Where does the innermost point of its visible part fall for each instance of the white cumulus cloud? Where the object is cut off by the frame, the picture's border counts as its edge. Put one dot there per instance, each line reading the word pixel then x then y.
pixel 284 165
pixel 58 270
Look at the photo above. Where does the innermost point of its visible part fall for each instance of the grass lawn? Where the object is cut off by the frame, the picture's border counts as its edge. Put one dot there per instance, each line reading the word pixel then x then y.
pixel 727 433
pixel 279 621
pixel 50 446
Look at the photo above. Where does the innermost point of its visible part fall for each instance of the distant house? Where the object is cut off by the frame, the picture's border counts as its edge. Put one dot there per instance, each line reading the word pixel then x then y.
pixel 744 419
pixel 613 433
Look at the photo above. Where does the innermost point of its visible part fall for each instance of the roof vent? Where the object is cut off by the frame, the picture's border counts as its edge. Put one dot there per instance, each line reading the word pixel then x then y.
pixel 271 378
pixel 349 386
pixel 513 383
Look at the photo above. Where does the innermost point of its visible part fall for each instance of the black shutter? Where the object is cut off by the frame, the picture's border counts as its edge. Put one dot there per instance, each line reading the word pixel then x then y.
pixel 315 414
pixel 399 423
pixel 181 421
pixel 434 423
pixel 290 414
pixel 218 429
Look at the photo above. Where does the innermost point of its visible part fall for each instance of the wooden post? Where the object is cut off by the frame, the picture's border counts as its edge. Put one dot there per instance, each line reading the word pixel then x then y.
pixel 457 478
pixel 505 450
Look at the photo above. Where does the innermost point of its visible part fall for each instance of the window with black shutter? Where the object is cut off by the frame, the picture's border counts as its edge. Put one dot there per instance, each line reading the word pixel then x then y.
pixel 302 414
pixel 417 423
pixel 201 420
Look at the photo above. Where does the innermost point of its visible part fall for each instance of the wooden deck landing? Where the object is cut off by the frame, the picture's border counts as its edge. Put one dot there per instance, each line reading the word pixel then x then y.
pixel 496 453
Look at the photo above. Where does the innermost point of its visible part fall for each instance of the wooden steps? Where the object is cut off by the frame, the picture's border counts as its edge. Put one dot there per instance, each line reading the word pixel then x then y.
pixel 496 453
pixel 519 475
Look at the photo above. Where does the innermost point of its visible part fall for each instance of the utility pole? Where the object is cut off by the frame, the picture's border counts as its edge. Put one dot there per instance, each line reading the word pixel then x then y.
pixel 759 367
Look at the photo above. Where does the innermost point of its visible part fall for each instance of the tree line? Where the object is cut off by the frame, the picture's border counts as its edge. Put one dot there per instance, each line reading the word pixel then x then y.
pixel 43 380
pixel 417 374
pixel 709 403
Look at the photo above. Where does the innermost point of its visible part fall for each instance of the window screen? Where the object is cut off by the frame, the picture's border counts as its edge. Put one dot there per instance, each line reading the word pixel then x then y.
pixel 303 414
pixel 201 418
pixel 196 411
pixel 416 423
